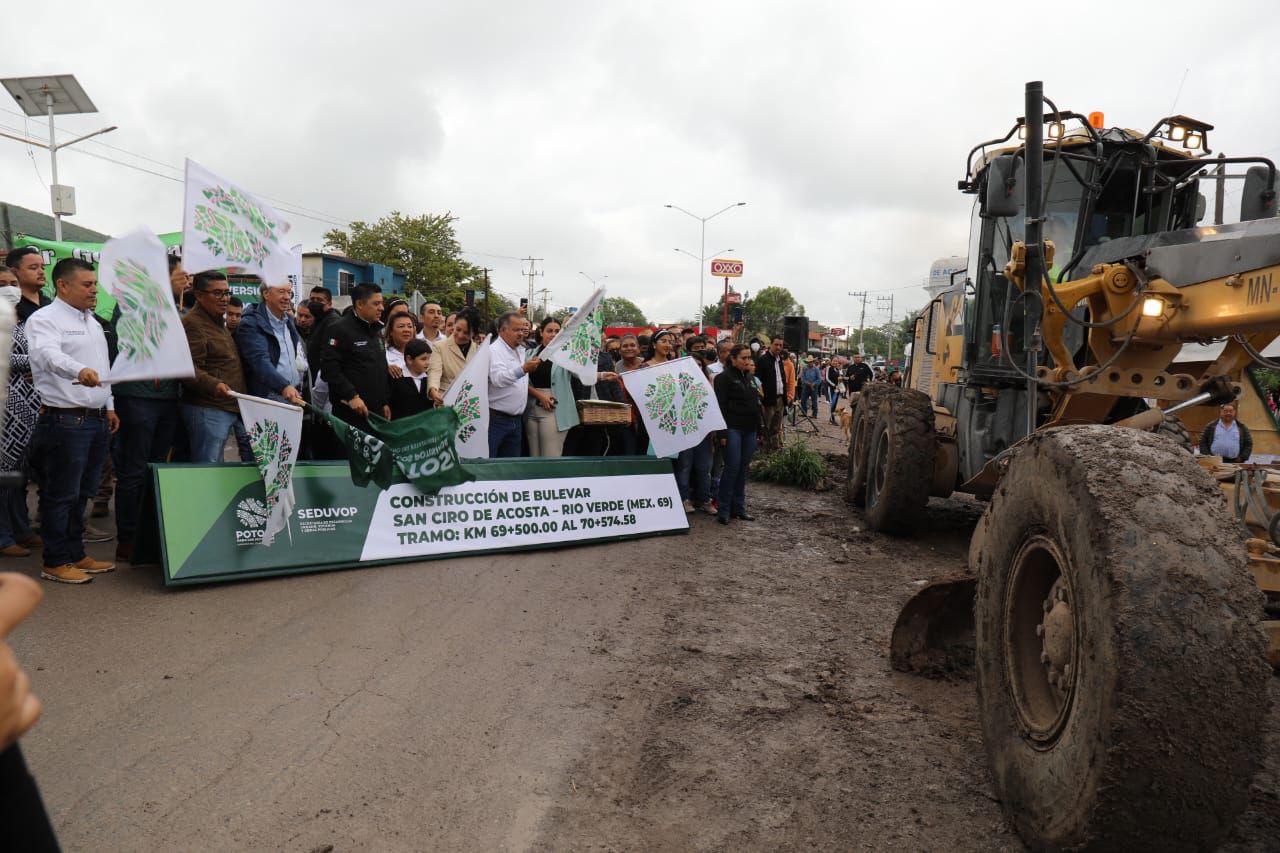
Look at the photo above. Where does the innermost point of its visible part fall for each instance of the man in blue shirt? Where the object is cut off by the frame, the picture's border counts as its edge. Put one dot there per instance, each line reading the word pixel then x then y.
pixel 1227 437
pixel 810 379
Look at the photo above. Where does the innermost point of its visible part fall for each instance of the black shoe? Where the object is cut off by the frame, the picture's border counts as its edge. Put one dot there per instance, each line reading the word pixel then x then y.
pixel 723 519
pixel 744 517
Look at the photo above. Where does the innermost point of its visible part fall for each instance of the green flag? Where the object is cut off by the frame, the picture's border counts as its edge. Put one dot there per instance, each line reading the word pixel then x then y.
pixel 424 449
pixel 369 458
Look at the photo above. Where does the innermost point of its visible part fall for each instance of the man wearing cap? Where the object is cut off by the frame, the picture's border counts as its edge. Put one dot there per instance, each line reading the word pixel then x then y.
pixel 69 359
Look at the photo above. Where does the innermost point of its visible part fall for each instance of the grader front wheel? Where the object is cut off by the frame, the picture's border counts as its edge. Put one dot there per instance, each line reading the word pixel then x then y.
pixel 900 462
pixel 865 411
pixel 1122 683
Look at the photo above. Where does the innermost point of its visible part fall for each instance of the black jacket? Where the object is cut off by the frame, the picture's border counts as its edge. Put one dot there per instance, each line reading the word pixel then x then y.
pixel 353 362
pixel 739 402
pixel 407 399
pixel 769 380
pixel 320 334
pixel 856 374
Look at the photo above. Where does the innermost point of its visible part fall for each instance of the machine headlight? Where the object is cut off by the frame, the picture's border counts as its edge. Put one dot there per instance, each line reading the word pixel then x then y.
pixel 1152 307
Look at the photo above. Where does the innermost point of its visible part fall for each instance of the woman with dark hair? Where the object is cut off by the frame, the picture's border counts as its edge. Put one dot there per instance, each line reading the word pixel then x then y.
pixel 394 307
pixel 450 356
pixel 401 329
pixel 540 421
pixel 410 393
pixel 740 405
pixel 634 436
pixel 664 345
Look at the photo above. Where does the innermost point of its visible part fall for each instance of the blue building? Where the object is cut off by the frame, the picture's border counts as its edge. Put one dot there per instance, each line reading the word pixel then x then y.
pixel 340 273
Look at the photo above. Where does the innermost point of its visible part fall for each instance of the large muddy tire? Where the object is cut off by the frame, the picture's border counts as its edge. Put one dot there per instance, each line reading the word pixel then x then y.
pixel 900 462
pixel 1172 428
pixel 864 421
pixel 1121 670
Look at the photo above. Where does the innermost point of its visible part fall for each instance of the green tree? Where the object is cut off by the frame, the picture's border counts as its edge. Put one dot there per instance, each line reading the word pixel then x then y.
pixel 765 310
pixel 619 311
pixel 425 247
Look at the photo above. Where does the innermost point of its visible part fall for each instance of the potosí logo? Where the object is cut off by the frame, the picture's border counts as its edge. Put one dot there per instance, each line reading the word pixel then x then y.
pixel 252 515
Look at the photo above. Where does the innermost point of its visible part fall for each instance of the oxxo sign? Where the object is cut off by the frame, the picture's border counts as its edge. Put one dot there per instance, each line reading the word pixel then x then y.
pixel 726 268
pixel 837 332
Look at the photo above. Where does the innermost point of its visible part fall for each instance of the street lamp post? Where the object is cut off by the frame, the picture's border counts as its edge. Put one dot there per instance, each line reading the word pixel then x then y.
pixel 592 280
pixel 702 260
pixel 60 94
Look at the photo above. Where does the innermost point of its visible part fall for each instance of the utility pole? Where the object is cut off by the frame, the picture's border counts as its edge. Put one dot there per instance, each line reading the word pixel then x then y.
pixel 546 297
pixel 488 297
pixel 880 302
pixel 862 318
pixel 531 274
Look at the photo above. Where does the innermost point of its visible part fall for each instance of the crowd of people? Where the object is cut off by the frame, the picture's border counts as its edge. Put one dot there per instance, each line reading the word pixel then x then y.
pixel 83 441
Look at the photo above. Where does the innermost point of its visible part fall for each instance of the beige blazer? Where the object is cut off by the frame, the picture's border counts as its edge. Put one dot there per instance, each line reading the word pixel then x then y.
pixel 446 363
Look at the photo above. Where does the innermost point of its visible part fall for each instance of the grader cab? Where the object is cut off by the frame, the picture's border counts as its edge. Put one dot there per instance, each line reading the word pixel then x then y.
pixel 1112 612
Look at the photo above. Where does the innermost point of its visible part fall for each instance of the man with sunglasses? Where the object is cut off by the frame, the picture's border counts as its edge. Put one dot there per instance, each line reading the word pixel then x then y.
pixel 209 411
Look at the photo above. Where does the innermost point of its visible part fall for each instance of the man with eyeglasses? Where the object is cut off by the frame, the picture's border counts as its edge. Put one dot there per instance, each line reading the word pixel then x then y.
pixel 209 411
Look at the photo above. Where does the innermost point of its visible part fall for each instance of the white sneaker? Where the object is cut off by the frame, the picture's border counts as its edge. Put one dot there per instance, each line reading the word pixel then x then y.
pixel 688 506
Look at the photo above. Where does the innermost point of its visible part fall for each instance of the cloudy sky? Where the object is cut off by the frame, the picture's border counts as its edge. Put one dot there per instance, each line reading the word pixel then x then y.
pixel 560 129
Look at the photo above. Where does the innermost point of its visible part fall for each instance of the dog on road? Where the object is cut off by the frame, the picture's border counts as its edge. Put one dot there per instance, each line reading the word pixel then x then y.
pixel 846 422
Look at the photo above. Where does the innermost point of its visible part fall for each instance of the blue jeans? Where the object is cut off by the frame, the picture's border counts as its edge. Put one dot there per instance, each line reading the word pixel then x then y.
pixel 207 430
pixel 70 450
pixel 733 480
pixel 146 433
pixel 693 472
pixel 506 433
pixel 809 396
pixel 833 396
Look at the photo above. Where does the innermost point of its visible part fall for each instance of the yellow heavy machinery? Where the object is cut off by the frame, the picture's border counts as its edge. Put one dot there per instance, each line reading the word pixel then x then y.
pixel 1112 612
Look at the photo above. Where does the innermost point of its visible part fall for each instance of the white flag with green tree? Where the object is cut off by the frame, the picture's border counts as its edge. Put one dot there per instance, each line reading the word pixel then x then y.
pixel 676 402
pixel 224 227
pixel 152 344
pixel 577 347
pixel 275 433
pixel 469 397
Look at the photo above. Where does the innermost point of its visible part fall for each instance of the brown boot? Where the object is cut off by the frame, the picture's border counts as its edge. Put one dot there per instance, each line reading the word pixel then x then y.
pixel 64 574
pixel 14 551
pixel 90 566
pixel 32 541
pixel 124 551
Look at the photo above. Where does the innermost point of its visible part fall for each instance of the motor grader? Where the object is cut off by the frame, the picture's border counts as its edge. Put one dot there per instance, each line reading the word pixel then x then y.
pixel 1112 612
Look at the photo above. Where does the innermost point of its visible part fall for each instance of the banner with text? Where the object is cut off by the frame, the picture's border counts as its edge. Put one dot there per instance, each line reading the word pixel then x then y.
pixel 212 517
pixel 54 250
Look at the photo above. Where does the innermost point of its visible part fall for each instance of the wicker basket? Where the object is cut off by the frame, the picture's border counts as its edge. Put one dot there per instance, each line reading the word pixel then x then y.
pixel 603 413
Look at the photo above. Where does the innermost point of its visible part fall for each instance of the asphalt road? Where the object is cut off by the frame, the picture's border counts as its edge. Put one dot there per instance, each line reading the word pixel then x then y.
pixel 426 706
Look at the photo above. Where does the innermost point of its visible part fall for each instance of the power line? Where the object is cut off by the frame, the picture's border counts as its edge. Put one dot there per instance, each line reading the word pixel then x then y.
pixel 283 206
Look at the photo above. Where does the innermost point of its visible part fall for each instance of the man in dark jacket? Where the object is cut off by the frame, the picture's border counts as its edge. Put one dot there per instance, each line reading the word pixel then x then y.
pixel 354 363
pixel 1227 437
pixel 770 372
pixel 856 374
pixel 271 348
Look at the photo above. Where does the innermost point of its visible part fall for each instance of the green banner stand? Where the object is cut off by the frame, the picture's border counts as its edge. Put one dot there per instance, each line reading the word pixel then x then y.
pixel 210 517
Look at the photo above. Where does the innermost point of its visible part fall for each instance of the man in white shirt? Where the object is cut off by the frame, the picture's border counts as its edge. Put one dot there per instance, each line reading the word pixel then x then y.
pixel 509 385
pixel 69 363
pixel 432 323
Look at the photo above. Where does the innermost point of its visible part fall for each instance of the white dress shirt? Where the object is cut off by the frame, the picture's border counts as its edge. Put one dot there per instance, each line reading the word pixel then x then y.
pixel 508 383
pixel 63 341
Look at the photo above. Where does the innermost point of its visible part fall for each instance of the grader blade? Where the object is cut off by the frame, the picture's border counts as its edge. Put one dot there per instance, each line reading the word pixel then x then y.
pixel 934 632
